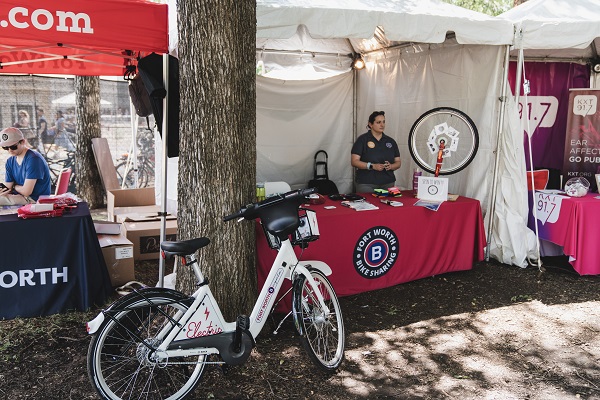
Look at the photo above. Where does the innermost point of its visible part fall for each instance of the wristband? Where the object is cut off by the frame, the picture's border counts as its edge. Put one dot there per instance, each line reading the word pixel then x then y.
pixel 368 165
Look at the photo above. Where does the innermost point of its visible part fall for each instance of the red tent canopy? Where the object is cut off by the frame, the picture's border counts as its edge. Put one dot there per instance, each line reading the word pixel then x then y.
pixel 79 37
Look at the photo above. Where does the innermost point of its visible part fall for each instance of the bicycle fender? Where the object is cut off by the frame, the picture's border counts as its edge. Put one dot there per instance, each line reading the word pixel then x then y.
pixel 122 303
pixel 320 265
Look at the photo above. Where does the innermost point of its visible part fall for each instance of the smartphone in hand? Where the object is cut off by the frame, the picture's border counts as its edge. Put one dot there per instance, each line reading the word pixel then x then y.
pixel 3 186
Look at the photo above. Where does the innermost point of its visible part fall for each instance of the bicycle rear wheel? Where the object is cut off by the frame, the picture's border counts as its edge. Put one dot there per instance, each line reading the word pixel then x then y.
pixel 450 125
pixel 129 176
pixel 322 334
pixel 121 362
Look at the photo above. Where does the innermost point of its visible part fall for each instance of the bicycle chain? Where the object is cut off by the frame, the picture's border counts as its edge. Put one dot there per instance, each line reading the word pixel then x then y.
pixel 194 363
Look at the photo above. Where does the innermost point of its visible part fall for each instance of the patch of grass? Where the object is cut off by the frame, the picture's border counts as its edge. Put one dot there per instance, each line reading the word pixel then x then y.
pixel 521 298
pixel 393 310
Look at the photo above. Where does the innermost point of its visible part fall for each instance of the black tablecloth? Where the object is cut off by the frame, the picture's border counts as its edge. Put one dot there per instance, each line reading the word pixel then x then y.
pixel 50 265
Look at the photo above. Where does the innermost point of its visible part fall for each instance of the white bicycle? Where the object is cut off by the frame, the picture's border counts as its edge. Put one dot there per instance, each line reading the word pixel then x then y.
pixel 155 343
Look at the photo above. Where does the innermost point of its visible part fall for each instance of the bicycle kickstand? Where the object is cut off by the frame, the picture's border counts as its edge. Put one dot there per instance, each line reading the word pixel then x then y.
pixel 281 323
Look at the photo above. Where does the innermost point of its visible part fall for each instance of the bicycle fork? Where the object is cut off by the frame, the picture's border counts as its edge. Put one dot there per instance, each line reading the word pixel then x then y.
pixel 286 266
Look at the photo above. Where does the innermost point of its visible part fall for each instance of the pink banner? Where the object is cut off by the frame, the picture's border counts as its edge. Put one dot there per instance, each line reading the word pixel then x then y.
pixel 582 142
pixel 547 107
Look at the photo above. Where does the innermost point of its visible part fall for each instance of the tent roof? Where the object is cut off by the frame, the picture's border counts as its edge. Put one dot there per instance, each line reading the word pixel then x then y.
pixel 558 28
pixel 345 26
pixel 380 21
pixel 79 37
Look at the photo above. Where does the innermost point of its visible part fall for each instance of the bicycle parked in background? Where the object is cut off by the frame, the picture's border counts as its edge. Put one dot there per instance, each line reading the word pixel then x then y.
pixel 155 343
pixel 145 163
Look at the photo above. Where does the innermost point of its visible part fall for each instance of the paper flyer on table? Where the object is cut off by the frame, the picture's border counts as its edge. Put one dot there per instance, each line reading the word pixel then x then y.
pixel 359 205
pixel 428 204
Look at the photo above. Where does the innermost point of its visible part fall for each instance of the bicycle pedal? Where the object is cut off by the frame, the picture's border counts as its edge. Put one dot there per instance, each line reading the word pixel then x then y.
pixel 243 322
pixel 241 325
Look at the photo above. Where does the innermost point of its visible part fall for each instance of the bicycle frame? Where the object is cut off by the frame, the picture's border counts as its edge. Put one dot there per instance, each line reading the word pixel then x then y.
pixel 203 319
pixel 156 342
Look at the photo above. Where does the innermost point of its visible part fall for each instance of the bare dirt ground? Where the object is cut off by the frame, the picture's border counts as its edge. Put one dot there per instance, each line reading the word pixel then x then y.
pixel 495 332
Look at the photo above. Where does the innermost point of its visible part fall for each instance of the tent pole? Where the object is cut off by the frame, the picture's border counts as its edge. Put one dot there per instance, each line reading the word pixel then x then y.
pixel 134 127
pixel 354 116
pixel 163 185
pixel 499 135
pixel 530 176
pixel 518 77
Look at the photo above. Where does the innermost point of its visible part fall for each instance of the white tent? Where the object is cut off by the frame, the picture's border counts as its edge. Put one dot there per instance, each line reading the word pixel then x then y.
pixel 420 55
pixel 557 29
pixel 554 30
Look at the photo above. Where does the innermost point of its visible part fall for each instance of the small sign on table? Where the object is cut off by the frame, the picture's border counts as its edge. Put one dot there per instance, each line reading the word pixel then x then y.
pixel 432 189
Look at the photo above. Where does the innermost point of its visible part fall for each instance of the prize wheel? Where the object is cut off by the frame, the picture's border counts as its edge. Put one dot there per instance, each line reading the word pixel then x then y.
pixel 450 126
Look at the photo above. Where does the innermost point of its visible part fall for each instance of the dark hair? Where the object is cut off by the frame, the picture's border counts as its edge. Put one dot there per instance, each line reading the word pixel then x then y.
pixel 375 114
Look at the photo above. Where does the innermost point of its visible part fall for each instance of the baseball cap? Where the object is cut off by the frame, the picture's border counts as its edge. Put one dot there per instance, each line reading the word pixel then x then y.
pixel 10 136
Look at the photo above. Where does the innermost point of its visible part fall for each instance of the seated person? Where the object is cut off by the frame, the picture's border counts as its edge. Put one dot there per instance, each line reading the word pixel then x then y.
pixel 27 173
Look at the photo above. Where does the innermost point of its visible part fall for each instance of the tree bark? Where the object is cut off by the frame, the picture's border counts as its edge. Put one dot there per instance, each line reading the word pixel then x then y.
pixel 87 109
pixel 217 160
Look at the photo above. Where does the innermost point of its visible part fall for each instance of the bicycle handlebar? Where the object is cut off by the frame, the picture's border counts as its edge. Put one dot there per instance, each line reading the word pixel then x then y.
pixel 238 214
pixel 250 211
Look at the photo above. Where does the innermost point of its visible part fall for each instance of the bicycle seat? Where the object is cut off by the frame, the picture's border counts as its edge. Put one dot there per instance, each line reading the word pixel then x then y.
pixel 282 220
pixel 184 247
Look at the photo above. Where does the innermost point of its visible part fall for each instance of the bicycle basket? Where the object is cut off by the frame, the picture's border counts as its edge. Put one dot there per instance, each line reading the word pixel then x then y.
pixel 308 230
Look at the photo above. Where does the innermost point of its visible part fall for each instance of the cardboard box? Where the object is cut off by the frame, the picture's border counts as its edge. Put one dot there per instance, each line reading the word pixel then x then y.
pixel 141 217
pixel 118 256
pixel 123 201
pixel 145 237
pixel 139 210
pixel 107 227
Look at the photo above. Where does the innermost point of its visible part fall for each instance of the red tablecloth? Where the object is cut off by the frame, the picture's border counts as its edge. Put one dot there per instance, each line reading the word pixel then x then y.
pixel 571 222
pixel 374 249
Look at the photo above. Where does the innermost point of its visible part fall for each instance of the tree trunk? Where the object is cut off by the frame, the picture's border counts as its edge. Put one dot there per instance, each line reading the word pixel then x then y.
pixel 217 160
pixel 87 177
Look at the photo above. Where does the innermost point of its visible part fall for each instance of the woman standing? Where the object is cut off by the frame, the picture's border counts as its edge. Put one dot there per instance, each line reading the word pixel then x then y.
pixel 376 156
pixel 23 121
pixel 24 125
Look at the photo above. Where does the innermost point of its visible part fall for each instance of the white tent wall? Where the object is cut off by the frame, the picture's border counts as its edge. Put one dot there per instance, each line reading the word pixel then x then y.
pixel 511 241
pixel 406 83
pixel 295 119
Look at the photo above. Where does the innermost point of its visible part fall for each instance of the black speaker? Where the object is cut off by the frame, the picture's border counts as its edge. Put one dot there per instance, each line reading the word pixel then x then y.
pixel 150 69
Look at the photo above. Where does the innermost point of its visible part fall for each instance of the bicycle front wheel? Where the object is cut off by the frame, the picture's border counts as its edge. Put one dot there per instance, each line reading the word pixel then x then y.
pixel 322 333
pixel 455 129
pixel 125 175
pixel 122 361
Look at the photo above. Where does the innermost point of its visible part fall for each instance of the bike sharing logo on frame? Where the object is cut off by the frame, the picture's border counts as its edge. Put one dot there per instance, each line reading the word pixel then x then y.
pixel 376 252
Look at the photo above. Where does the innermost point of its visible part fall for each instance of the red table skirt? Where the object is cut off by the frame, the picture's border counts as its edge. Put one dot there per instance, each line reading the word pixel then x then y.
pixel 374 249
pixel 571 222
